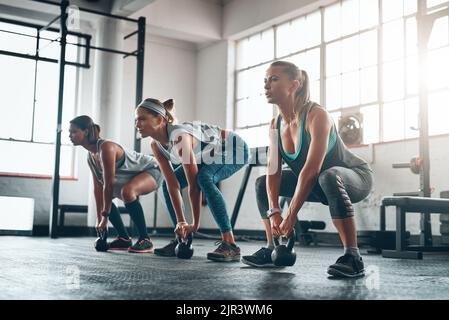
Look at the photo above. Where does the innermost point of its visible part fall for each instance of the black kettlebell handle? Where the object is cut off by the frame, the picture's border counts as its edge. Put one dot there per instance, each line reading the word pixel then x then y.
pixel 103 234
pixel 290 241
pixel 189 240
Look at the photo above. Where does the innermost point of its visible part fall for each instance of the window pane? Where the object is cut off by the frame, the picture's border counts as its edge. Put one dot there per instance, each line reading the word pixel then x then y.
pixel 333 93
pixel 368 49
pixel 411 40
pixel 350 89
pixel 391 9
pixel 393 121
pixel 70 99
pixel 315 91
pixel 284 34
pixel 335 116
pixel 17 43
pixel 312 29
pixel 253 111
pixel 332 22
pixel 16 93
pixel 368 85
pixel 46 101
pixel 369 12
pixel 243 85
pixel 308 61
pixel 370 124
pixel 412 75
pixel 438 66
pixel 313 64
pixel 349 17
pixel 440 33
pixel 393 80
pixel 333 58
pixel 243 58
pixel 438 112
pixel 393 42
pixel 411 118
pixel 306 32
pixel 349 54
pixel 16 158
pixel 410 6
pixel 256 49
pixel 250 83
pixel 255 137
pixel 432 3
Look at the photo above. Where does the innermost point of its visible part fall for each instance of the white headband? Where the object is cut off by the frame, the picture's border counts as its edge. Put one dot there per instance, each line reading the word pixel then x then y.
pixel 153 107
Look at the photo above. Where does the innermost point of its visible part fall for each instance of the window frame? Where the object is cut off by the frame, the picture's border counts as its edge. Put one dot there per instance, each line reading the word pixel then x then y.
pixel 380 101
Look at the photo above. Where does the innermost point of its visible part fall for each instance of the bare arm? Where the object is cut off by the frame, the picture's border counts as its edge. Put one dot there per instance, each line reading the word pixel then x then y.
pixel 319 128
pixel 98 193
pixel 108 158
pixel 274 167
pixel 185 151
pixel 172 182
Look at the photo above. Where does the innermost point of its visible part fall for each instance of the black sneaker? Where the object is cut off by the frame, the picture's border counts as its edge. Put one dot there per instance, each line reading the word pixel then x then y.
pixel 142 246
pixel 168 250
pixel 120 244
pixel 347 266
pixel 261 258
pixel 225 253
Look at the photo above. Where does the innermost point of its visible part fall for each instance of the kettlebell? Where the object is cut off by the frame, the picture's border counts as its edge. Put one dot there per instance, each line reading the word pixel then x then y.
pixel 184 250
pixel 284 255
pixel 101 244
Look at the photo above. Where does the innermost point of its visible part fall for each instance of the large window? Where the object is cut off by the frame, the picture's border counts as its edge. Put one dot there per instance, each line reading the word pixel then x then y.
pixel 364 61
pixel 29 102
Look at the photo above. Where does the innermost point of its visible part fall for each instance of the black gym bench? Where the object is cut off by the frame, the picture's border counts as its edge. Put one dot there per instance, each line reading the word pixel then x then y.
pixel 63 208
pixel 405 204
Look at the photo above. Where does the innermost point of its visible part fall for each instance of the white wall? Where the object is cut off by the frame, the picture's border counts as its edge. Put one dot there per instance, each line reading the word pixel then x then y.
pixel 188 20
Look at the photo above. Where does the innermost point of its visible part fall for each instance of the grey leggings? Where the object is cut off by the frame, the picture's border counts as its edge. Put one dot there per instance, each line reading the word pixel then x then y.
pixel 337 187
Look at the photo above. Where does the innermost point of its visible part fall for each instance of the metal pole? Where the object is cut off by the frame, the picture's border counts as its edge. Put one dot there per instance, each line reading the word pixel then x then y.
pixel 240 195
pixel 140 66
pixel 425 25
pixel 35 85
pixel 53 225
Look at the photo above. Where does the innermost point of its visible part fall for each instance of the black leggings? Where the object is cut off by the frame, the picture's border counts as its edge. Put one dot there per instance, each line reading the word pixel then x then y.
pixel 337 187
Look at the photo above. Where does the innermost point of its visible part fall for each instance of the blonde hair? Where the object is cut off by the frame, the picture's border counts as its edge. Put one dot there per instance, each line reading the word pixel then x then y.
pixel 168 105
pixel 302 96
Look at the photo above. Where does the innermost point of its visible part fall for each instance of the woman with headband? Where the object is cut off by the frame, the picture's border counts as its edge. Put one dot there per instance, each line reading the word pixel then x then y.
pixel 322 169
pixel 205 155
pixel 117 173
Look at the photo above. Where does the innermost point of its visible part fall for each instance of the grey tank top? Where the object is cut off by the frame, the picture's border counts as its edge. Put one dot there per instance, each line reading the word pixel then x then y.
pixel 208 135
pixel 130 164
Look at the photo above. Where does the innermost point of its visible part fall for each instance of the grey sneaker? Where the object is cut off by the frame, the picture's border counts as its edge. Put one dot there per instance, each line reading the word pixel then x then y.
pixel 142 246
pixel 225 253
pixel 120 244
pixel 168 250
pixel 347 266
pixel 261 258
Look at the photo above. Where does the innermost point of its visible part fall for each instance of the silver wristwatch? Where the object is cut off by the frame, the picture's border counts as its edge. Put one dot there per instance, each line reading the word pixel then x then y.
pixel 273 211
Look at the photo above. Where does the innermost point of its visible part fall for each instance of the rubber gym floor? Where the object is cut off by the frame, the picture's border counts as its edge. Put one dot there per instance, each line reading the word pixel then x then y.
pixel 71 269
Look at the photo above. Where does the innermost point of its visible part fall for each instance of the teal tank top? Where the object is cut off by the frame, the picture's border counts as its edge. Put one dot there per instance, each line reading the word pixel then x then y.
pixel 337 153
